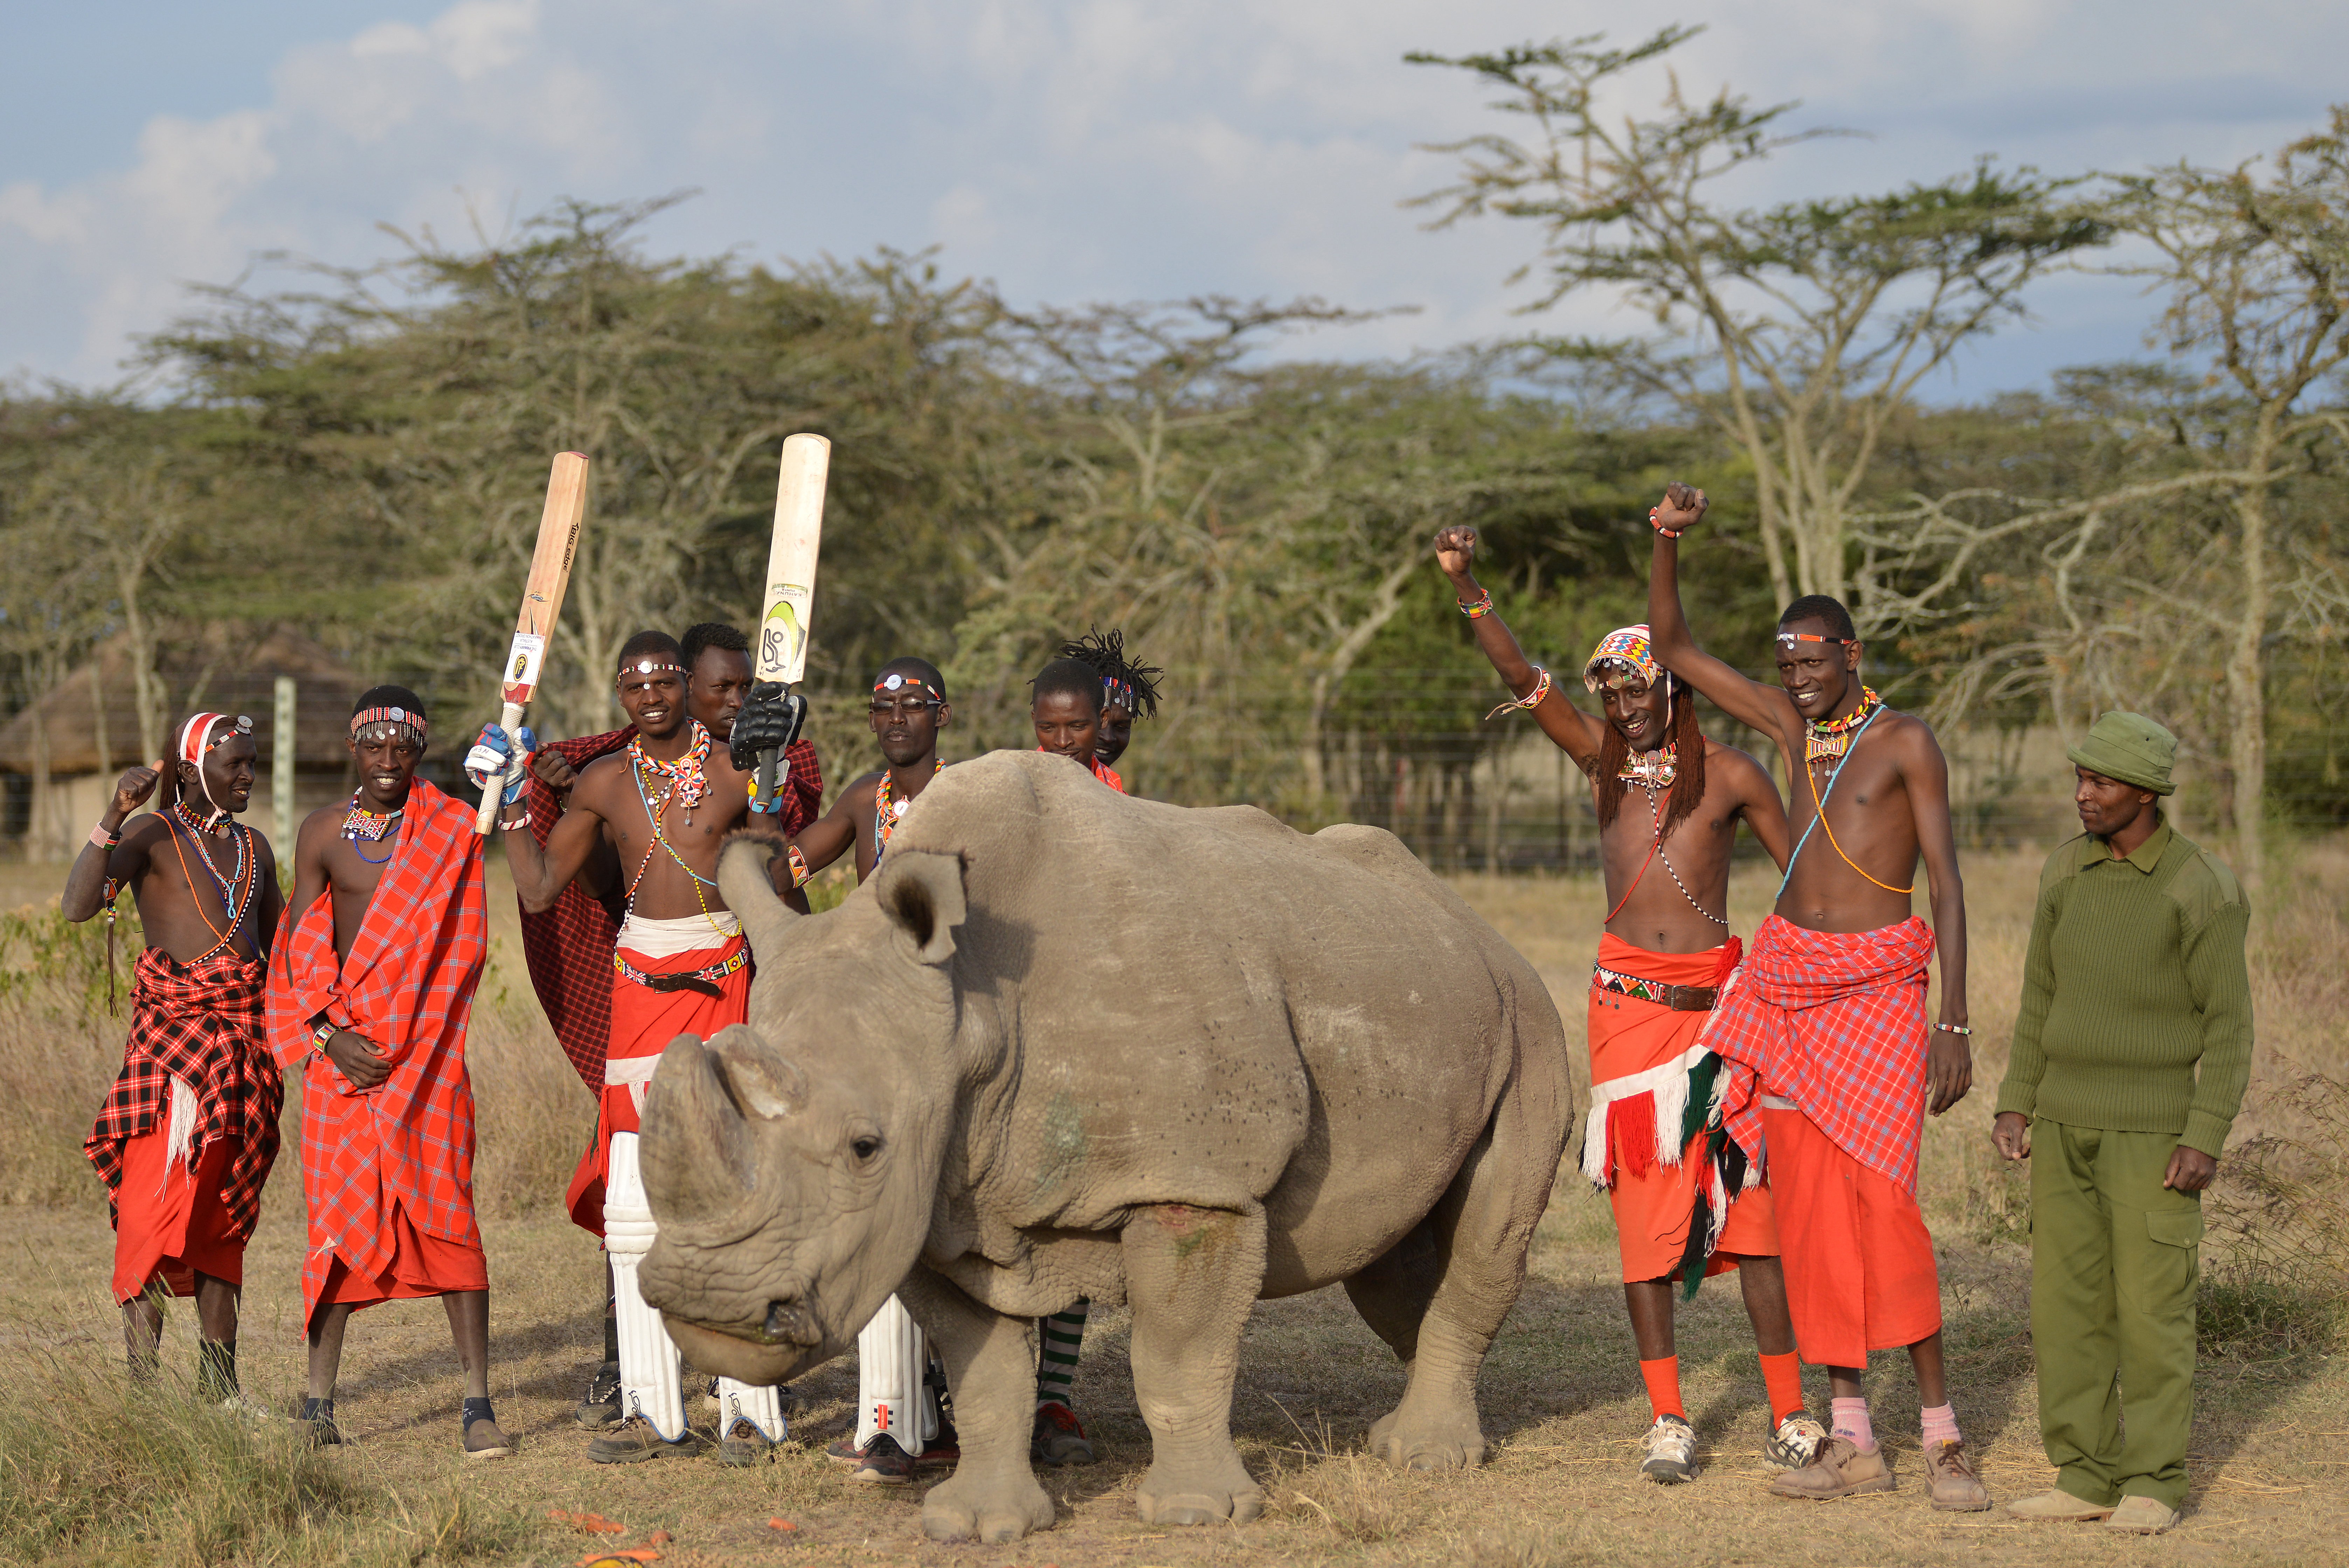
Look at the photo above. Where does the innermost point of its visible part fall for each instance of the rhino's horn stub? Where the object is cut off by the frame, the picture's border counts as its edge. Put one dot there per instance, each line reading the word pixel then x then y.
pixel 697 1151
pixel 761 1080
pixel 921 892
pixel 744 880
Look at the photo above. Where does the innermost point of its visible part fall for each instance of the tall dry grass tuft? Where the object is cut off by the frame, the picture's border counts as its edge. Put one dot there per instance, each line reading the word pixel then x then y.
pixel 2278 1284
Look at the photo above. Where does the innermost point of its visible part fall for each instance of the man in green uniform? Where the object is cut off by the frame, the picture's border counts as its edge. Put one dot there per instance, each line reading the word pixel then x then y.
pixel 2135 979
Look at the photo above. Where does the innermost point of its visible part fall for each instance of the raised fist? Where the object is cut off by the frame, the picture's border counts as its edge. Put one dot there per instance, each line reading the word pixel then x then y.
pixel 768 721
pixel 1683 509
pixel 131 793
pixel 1455 549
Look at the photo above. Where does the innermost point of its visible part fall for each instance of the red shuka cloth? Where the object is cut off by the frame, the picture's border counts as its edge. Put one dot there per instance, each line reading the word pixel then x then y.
pixel 175 1225
pixel 1834 1021
pixel 201 1023
pixel 644 1022
pixel 1100 771
pixel 569 946
pixel 403 1150
pixel 1655 1203
pixel 1860 1273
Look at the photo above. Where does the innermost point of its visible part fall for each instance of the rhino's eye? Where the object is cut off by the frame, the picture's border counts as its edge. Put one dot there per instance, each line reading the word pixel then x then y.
pixel 865 1147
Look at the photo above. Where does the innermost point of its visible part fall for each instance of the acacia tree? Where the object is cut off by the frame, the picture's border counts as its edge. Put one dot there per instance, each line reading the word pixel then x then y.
pixel 1798 331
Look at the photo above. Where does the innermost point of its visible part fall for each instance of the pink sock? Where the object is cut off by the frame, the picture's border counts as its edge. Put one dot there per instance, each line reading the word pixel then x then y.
pixel 1941 1425
pixel 1851 1422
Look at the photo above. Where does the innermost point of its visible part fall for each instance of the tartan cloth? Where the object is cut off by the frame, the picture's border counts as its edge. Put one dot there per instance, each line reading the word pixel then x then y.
pixel 201 1024
pixel 1834 1021
pixel 569 946
pixel 405 1147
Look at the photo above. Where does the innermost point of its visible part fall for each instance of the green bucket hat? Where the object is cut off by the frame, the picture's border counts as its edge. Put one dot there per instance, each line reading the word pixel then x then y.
pixel 2130 747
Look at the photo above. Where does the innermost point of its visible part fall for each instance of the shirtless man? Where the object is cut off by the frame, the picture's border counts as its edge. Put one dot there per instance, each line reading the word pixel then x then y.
pixel 664 805
pixel 1830 1010
pixel 197 1063
pixel 1665 952
pixel 370 991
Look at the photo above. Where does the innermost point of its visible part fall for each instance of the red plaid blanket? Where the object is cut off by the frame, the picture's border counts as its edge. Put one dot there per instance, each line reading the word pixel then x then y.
pixel 201 1023
pixel 408 986
pixel 569 947
pixel 1834 1021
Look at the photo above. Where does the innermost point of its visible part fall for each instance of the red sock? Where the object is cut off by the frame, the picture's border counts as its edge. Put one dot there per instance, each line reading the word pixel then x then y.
pixel 1664 1380
pixel 1782 1376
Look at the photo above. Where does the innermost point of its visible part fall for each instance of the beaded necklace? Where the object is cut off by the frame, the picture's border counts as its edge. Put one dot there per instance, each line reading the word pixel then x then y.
pixel 1654 771
pixel 687 783
pixel 235 888
pixel 358 822
pixel 682 778
pixel 1832 737
pixel 887 811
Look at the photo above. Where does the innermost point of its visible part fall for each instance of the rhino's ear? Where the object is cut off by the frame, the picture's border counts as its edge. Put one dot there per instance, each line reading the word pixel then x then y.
pixel 921 892
pixel 743 878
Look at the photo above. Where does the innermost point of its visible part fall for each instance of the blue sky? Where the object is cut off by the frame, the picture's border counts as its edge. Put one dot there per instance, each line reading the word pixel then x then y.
pixel 1071 151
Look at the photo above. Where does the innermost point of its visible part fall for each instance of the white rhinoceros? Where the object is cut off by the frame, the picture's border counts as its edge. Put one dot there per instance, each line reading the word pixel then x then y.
pixel 1071 1044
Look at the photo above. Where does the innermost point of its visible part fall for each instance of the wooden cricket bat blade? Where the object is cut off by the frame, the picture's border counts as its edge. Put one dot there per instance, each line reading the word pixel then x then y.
pixel 542 601
pixel 787 607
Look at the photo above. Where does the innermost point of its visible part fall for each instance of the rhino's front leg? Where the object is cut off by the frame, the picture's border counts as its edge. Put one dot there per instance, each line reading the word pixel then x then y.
pixel 991 1372
pixel 1191 1276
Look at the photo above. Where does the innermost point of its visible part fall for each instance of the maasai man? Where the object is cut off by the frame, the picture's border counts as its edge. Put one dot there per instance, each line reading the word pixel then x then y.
pixel 1065 705
pixel 1829 1009
pixel 901 1420
pixel 2132 1045
pixel 1688 1200
pixel 680 966
pixel 1129 691
pixel 369 993
pixel 187 1136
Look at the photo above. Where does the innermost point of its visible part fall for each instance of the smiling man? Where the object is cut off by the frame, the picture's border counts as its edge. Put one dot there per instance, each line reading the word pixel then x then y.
pixel 2132 1045
pixel 369 993
pixel 1680 1189
pixel 188 1134
pixel 1829 1009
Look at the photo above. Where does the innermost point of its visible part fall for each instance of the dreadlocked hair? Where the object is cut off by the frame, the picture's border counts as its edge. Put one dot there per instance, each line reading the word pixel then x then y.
pixel 1688 768
pixel 1105 653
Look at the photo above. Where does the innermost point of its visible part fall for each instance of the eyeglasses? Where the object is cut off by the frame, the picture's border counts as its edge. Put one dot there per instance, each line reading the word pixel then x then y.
pixel 903 710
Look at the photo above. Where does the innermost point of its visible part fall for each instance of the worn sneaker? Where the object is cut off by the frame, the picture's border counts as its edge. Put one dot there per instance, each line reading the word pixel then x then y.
pixel 2056 1506
pixel 598 1410
pixel 636 1440
pixel 1839 1471
pixel 2142 1516
pixel 744 1444
pixel 881 1461
pixel 244 1407
pixel 1059 1439
pixel 946 1449
pixel 1956 1488
pixel 484 1440
pixel 1671 1448
pixel 1794 1444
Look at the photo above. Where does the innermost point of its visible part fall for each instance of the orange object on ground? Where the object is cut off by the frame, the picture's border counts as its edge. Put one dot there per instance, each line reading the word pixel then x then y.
pixel 780 1524
pixel 174 1224
pixel 1860 1275
pixel 643 1021
pixel 386 1170
pixel 1639 1048
pixel 594 1523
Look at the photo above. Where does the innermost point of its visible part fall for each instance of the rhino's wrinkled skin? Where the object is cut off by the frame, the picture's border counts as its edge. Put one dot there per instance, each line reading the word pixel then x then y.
pixel 1073 1043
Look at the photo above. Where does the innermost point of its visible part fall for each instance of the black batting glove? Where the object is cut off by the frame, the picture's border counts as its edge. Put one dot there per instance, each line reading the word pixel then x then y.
pixel 768 721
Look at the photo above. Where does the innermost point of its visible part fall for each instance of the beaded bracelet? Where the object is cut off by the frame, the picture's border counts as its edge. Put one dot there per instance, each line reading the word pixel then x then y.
pixel 103 840
pixel 1955 1028
pixel 1532 700
pixel 520 821
pixel 1479 607
pixel 798 862
pixel 1658 527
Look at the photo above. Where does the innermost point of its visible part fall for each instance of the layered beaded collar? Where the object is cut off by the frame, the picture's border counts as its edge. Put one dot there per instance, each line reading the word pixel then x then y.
pixel 1832 737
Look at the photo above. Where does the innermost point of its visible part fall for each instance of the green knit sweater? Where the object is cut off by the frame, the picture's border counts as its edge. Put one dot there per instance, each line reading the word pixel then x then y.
pixel 2135 976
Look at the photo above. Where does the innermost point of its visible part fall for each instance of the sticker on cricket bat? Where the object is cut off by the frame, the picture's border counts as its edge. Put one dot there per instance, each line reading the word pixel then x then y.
pixel 523 661
pixel 782 636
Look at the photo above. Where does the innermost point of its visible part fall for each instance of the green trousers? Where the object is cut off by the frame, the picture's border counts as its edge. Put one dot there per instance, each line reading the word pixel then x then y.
pixel 2115 1259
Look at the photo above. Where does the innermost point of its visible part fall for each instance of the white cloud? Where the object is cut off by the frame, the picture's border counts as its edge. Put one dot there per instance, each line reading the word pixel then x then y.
pixel 1080 150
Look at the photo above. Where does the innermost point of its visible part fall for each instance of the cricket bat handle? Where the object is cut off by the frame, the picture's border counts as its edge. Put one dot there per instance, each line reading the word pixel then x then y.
pixel 509 720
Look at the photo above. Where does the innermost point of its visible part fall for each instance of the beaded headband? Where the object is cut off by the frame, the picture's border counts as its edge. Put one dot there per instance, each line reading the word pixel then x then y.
pixel 651 667
pixel 398 717
pixel 899 681
pixel 1624 645
pixel 1116 692
pixel 1814 638
pixel 193 745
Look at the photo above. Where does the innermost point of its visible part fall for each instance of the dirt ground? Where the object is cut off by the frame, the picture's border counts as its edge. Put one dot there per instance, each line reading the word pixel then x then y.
pixel 1562 1401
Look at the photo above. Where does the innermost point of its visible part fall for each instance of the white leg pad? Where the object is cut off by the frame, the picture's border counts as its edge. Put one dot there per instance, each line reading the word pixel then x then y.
pixel 892 1353
pixel 651 1377
pixel 762 1407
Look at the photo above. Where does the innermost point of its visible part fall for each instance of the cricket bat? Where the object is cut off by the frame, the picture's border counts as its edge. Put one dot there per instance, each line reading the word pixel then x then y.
pixel 542 601
pixel 788 612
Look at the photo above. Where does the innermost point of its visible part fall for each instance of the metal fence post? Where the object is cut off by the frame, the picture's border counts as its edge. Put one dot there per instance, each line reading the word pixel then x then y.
pixel 281 767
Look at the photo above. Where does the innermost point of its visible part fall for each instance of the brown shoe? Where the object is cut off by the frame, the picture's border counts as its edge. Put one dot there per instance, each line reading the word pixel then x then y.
pixel 1956 1488
pixel 2056 1506
pixel 2142 1516
pixel 1840 1471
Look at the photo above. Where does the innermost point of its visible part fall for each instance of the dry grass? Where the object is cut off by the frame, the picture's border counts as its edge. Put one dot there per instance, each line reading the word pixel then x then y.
pixel 88 1476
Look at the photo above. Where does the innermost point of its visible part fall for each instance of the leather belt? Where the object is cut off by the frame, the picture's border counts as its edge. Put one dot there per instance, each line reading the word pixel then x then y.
pixel 704 981
pixel 1679 998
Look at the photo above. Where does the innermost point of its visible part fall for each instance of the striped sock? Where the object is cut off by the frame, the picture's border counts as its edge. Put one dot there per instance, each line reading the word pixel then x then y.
pixel 1059 1337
